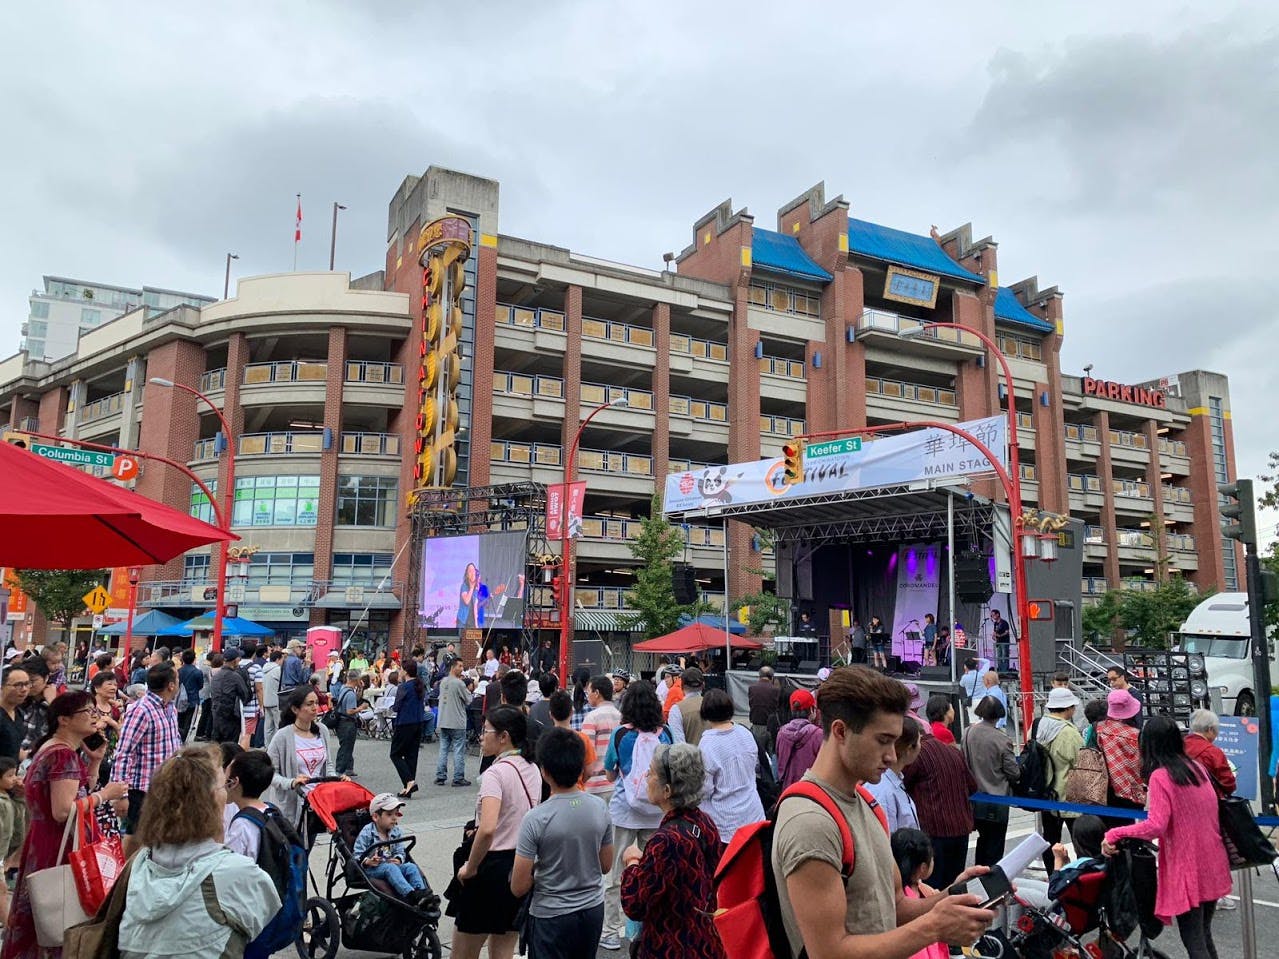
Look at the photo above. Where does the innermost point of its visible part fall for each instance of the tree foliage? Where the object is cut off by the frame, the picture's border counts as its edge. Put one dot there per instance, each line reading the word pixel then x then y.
pixel 59 592
pixel 658 545
pixel 765 610
pixel 1145 618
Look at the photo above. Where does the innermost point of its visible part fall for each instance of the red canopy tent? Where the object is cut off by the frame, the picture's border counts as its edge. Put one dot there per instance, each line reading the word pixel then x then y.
pixel 56 517
pixel 693 638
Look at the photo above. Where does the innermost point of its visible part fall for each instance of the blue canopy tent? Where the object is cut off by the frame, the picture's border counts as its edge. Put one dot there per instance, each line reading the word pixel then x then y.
pixel 152 623
pixel 231 626
pixel 714 622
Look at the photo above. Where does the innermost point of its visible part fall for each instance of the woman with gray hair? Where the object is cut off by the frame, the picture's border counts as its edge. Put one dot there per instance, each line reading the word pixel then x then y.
pixel 669 887
pixel 1200 745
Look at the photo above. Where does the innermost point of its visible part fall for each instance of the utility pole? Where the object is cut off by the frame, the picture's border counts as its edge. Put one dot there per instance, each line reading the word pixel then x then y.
pixel 333 235
pixel 226 284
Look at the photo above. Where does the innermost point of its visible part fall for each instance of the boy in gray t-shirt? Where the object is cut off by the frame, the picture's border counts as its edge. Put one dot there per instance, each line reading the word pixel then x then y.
pixel 570 840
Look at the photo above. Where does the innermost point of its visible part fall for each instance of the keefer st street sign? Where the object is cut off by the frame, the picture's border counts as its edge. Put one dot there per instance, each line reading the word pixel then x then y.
pixel 72 456
pixel 850 444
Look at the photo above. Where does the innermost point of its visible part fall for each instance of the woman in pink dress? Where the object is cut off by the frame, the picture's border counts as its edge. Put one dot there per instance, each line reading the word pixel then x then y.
pixel 1181 813
pixel 60 773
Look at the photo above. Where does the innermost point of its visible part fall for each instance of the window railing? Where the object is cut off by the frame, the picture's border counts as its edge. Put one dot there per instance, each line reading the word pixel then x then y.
pixel 785 299
pixel 890 322
pixel 290 441
pixel 1083 483
pixel 1181 542
pixel 1094 585
pixel 899 389
pixel 30 424
pixel 686 466
pixel 370 444
pixel 702 349
pixel 1136 441
pixel 102 407
pixel 1016 346
pixel 1139 585
pixel 1131 488
pixel 213 380
pixel 1094 536
pixel 781 425
pixel 1025 421
pixel 1172 447
pixel 705 410
pixel 205 449
pixel 539 454
pixel 372 371
pixel 1176 494
pixel 1029 473
pixel 1134 538
pixel 1079 433
pixel 593 394
pixel 523 384
pixel 616 332
pixel 530 317
pixel 780 366
pixel 285 371
pixel 601 597
pixel 636 464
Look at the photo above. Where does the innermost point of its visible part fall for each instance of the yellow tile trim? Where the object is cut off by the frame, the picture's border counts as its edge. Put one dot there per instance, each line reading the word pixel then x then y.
pixel 843 243
pixel 746 257
pixel 992 280
pixel 488 239
pixel 706 238
pixel 794 227
pixel 1198 411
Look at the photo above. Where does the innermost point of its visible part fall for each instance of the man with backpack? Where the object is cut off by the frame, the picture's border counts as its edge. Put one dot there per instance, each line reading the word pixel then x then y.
pixel 259 832
pixel 839 890
pixel 190 684
pixel 1049 757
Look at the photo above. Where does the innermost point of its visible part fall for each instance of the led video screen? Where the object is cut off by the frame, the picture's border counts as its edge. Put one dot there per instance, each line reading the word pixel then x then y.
pixel 473 582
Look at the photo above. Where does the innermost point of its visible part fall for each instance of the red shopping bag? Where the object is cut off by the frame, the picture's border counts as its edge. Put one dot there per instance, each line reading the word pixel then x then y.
pixel 96 861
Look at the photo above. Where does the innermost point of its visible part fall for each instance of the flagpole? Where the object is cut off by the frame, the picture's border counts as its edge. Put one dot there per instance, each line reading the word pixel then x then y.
pixel 297 233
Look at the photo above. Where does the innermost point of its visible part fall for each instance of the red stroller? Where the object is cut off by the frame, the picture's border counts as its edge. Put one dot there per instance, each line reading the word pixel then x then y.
pixel 360 911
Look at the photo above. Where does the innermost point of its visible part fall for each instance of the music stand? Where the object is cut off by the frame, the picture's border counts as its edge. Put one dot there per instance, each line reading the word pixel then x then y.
pixel 913 636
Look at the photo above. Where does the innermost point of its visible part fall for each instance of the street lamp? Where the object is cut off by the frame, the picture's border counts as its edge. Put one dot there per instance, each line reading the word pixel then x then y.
pixel 1014 506
pixel 219 609
pixel 566 544
pixel 226 284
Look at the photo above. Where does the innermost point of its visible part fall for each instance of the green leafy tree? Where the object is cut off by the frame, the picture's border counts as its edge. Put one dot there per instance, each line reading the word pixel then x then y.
pixel 656 611
pixel 1142 618
pixel 59 592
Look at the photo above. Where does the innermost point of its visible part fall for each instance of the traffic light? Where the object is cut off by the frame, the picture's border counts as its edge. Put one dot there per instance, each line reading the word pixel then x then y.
pixel 1240 508
pixel 793 463
pixel 16 438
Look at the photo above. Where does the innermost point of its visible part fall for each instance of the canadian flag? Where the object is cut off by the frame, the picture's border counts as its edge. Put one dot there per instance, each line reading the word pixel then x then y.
pixel 297 229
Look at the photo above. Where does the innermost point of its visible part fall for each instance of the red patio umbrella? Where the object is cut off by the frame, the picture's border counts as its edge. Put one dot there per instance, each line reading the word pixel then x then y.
pixel 694 638
pixel 56 517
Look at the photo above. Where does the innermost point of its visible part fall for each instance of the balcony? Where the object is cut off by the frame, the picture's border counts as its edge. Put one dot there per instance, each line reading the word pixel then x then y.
pixel 29 424
pixel 1029 483
pixel 1133 496
pixel 529 329
pixel 285 371
pixel 526 454
pixel 1129 447
pixel 282 443
pixel 1025 431
pixel 100 408
pixel 1082 442
pixel 781 426
pixel 370 444
pixel 201 591
pixel 213 380
pixel 617 342
pixel 1178 503
pixel 629 473
pixel 1094 585
pixel 511 390
pixel 374 373
pixel 785 311
pixel 1173 457
pixel 687 466
pixel 884 328
pixel 1180 542
pixel 1085 491
pixel 703 420
pixel 1135 545
pixel 783 380
pixel 373 383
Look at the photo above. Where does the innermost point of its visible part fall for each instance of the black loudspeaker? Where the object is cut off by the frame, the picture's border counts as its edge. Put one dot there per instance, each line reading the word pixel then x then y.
pixel 588 654
pixel 804 578
pixel 972 579
pixel 785 565
pixel 685 583
pixel 935 674
pixel 807 666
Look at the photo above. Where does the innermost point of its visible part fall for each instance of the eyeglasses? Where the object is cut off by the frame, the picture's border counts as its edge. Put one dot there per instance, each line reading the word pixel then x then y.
pixel 488 731
pixel 87 709
pixel 18 684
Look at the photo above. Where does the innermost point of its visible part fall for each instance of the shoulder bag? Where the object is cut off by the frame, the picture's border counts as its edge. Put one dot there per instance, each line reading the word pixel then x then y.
pixel 99 937
pixel 55 900
pixel 1246 845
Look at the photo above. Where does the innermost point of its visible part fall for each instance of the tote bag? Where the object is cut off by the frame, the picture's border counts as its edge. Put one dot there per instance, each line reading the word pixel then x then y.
pixel 1246 845
pixel 97 860
pixel 55 900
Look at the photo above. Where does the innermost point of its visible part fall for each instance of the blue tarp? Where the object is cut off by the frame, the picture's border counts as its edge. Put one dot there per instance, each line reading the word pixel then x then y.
pixel 1009 309
pixel 714 622
pixel 231 626
pixel 779 253
pixel 905 249
pixel 148 624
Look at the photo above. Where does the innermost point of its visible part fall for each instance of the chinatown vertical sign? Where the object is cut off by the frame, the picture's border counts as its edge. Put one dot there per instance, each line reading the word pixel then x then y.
pixel 443 247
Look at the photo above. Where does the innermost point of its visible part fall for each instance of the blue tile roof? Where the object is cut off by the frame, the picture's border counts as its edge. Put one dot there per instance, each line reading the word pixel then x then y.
pixel 906 249
pixel 779 253
pixel 1009 309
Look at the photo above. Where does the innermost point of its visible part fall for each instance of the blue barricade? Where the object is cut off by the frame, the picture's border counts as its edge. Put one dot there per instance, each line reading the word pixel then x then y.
pixel 1048 805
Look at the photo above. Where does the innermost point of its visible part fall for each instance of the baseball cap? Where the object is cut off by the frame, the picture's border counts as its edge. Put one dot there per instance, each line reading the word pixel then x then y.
pixel 1062 698
pixel 12 654
pixel 691 677
pixel 232 652
pixel 385 802
pixel 802 699
pixel 334 652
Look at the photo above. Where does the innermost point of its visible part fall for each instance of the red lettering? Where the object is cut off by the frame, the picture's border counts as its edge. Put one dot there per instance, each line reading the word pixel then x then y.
pixel 1112 390
pixel 1161 401
pixel 1125 394
pixel 1090 386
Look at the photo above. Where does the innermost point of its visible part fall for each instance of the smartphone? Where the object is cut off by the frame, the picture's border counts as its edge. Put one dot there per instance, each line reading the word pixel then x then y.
pixel 990 888
pixel 95 742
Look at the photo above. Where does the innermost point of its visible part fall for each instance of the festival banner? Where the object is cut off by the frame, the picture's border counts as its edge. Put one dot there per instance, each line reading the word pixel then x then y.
pixel 555 509
pixel 925 454
pixel 918 587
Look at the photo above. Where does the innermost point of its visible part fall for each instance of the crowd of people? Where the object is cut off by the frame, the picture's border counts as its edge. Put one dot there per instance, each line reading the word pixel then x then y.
pixel 602 809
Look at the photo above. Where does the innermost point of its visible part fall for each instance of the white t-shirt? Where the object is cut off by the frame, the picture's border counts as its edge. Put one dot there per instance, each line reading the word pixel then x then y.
pixel 241 835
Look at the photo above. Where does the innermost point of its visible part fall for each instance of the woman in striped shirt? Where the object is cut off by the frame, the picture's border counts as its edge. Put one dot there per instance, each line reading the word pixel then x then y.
pixel 731 757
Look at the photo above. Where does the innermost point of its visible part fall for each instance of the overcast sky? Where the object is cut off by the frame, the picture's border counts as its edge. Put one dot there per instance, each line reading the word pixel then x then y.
pixel 1124 152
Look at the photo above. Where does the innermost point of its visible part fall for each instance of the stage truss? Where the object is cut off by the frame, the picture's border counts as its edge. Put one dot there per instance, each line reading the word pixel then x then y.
pixel 476 510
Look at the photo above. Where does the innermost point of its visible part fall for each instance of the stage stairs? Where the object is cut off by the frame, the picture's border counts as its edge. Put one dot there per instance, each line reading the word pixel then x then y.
pixel 1087 666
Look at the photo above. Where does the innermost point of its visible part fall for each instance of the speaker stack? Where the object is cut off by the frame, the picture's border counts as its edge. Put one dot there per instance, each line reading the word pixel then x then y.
pixel 972 579
pixel 685 583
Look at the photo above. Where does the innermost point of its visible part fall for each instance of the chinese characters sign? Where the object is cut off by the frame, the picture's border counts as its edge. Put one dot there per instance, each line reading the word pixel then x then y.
pixel 555 510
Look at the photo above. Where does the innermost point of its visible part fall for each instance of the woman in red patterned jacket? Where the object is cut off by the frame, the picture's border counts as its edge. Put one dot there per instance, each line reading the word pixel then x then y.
pixel 1201 746
pixel 669 887
pixel 1117 740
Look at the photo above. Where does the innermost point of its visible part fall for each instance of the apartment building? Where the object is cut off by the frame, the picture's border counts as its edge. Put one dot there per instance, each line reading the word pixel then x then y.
pixel 746 338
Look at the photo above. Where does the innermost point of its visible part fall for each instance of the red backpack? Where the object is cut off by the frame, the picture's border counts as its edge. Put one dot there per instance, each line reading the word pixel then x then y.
pixel 748 916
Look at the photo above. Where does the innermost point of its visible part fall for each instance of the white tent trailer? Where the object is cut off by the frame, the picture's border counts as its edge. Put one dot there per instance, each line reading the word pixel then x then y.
pixel 1218 629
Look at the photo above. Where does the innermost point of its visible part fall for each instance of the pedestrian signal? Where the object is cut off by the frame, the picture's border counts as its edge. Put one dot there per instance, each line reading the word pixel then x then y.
pixel 792 463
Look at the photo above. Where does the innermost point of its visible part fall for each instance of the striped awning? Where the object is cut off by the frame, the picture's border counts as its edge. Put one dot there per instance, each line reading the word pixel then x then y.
pixel 602 621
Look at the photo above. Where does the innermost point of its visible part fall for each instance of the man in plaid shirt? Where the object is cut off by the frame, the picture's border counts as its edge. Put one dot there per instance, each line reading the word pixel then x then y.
pixel 148 736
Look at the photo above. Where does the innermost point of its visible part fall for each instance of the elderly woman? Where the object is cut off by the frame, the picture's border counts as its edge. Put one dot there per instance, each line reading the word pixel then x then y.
pixel 731 756
pixel 1201 746
pixel 189 895
pixel 989 754
pixel 1117 740
pixel 669 887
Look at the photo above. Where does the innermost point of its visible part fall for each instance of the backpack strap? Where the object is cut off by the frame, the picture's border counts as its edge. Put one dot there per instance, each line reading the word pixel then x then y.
pixel 810 790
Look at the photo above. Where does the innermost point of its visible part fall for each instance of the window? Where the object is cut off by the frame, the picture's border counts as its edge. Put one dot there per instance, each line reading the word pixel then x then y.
pixel 35 347
pixel 367 500
pixel 785 299
pixel 39 310
pixel 201 508
pixel 195 567
pixel 361 569
pixel 38 329
pixel 90 317
pixel 276 501
pixel 269 569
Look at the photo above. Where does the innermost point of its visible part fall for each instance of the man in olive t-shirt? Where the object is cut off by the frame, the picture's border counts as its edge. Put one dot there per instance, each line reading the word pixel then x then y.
pixel 862 714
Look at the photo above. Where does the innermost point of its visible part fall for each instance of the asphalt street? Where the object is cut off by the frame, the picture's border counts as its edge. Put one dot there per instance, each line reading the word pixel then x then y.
pixel 436 815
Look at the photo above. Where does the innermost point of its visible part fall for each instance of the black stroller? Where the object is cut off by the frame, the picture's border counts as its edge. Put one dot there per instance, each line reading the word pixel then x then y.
pixel 358 910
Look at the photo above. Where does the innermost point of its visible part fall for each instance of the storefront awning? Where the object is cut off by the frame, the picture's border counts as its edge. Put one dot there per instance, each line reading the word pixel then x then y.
pixel 602 621
pixel 356 599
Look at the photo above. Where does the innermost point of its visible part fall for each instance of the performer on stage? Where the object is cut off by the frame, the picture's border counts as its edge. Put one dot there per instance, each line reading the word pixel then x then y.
pixel 930 639
pixel 468 598
pixel 1002 634
pixel 877 633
